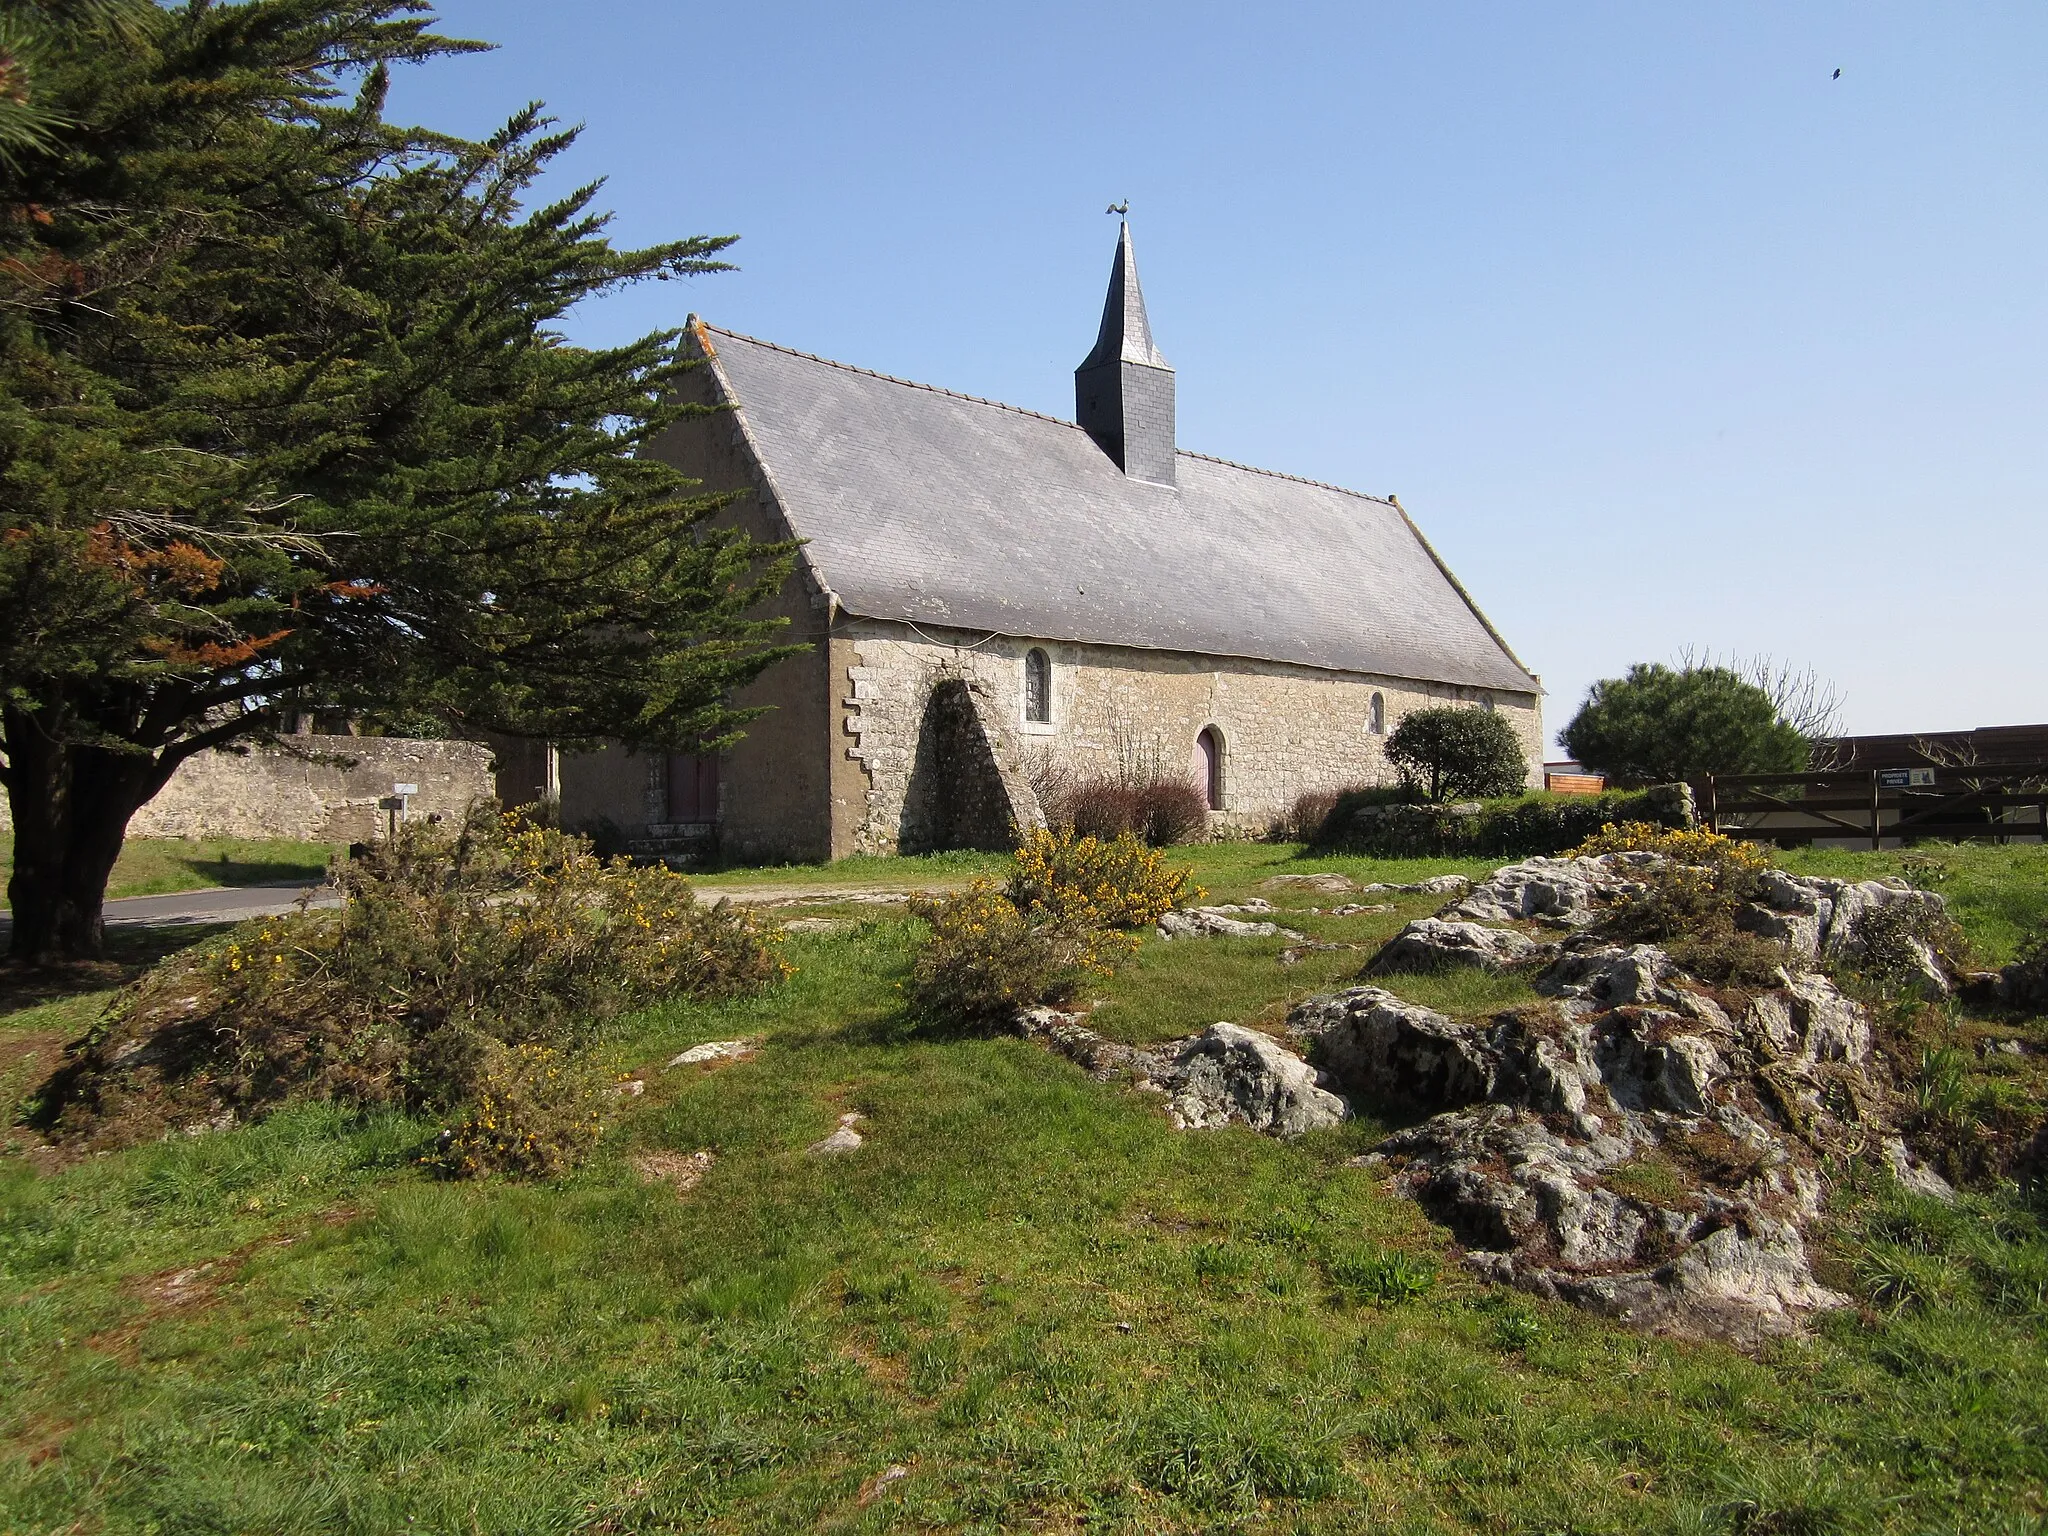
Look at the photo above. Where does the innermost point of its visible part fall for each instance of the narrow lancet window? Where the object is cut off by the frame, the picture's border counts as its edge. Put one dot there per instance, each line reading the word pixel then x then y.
pixel 1209 766
pixel 1037 687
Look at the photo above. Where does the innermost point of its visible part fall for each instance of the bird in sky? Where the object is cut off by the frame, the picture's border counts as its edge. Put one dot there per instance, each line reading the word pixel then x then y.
pixel 1838 74
pixel 1125 205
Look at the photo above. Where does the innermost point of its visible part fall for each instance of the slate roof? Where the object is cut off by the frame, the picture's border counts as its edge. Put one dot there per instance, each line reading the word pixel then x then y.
pixel 941 509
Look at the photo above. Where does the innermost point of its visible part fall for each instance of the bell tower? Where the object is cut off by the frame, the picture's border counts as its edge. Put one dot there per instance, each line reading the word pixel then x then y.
pixel 1123 390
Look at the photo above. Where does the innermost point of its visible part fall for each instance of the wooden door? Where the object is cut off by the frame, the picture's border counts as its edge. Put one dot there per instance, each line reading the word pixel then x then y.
pixel 692 787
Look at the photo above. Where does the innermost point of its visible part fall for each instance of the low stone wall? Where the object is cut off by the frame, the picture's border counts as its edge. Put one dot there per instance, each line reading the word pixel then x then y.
pixel 277 792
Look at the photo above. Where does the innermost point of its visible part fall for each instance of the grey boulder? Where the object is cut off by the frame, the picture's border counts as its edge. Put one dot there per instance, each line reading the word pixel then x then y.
pixel 1568 892
pixel 1217 923
pixel 1231 1074
pixel 1435 944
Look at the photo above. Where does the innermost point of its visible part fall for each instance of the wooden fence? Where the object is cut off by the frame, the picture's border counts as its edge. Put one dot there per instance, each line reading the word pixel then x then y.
pixel 2003 800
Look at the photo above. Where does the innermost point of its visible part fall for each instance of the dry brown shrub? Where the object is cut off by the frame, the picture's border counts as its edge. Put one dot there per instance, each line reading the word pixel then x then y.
pixel 1159 811
pixel 1304 821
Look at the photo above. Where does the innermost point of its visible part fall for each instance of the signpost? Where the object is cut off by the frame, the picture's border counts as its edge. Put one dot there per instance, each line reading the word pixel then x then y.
pixel 1905 778
pixel 395 808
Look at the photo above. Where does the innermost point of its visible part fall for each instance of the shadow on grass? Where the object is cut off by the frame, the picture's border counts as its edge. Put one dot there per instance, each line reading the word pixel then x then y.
pixel 224 872
pixel 129 952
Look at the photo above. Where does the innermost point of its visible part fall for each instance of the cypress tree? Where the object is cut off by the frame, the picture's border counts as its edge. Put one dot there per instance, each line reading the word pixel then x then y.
pixel 287 424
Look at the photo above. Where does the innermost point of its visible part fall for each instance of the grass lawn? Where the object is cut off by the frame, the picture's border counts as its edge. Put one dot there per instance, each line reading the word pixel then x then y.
pixel 1026 1290
pixel 157 866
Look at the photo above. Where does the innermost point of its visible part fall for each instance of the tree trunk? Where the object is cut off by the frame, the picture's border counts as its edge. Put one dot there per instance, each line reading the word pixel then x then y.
pixel 71 807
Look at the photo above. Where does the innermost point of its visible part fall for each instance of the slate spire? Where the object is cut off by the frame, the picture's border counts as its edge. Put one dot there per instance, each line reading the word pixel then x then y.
pixel 1123 390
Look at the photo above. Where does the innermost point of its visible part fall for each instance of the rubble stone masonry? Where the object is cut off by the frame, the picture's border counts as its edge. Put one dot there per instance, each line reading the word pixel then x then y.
pixel 317 789
pixel 1284 728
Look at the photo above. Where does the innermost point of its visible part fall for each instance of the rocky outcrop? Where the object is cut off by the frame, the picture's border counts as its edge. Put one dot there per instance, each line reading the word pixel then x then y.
pixel 714 1050
pixel 1435 944
pixel 1399 1050
pixel 1569 893
pixel 1819 920
pixel 1227 1073
pixel 1220 922
pixel 1224 1075
pixel 844 1137
pixel 1637 1142
pixel 1830 921
pixel 1635 1145
pixel 1435 885
pixel 1329 881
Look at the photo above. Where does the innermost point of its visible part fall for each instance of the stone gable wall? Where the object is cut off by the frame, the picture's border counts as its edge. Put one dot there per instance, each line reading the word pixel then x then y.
pixel 1285 728
pixel 272 792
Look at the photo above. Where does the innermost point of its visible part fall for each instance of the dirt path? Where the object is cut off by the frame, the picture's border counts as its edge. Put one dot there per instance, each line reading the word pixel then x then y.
pixel 233 904
pixel 818 895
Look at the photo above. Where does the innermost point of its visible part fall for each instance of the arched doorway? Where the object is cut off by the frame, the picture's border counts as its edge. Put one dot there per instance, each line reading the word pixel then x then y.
pixel 1209 766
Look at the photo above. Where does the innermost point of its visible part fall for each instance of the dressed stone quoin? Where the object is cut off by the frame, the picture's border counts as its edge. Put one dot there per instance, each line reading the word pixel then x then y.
pixel 992 595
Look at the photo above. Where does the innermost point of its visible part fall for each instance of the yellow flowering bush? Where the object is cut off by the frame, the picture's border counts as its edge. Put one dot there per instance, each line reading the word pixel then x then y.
pixel 536 1112
pixel 1110 883
pixel 1064 914
pixel 986 959
pixel 1690 903
pixel 1681 845
pixel 451 946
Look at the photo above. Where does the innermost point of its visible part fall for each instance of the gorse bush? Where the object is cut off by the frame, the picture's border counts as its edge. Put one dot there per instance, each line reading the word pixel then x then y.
pixel 450 947
pixel 986 959
pixel 1690 900
pixel 1063 915
pixel 1682 845
pixel 536 1112
pixel 1113 883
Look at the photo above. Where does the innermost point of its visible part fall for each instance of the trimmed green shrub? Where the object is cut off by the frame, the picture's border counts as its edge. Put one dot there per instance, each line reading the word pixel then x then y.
pixel 1370 822
pixel 1452 753
pixel 1659 724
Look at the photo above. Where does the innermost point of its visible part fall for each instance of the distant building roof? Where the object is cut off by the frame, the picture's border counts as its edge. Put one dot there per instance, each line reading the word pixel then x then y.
pixel 1987 745
pixel 941 509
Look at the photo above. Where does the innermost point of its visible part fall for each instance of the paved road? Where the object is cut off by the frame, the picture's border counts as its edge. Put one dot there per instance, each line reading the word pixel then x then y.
pixel 224 904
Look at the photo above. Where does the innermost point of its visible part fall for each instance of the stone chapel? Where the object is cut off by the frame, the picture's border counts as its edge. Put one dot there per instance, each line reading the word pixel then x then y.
pixel 989 592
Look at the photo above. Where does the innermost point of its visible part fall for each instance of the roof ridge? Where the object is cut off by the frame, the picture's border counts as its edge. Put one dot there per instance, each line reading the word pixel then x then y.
pixel 888 378
pixel 1021 410
pixel 1281 474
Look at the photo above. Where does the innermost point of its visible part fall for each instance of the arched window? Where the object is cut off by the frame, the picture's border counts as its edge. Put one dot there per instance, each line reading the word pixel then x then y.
pixel 1209 766
pixel 1037 687
pixel 1376 718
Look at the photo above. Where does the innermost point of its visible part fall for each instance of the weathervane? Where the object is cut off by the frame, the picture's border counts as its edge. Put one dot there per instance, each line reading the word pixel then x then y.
pixel 1119 208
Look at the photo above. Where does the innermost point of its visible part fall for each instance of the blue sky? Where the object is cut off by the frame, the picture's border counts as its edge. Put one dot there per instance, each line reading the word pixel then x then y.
pixel 1665 336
